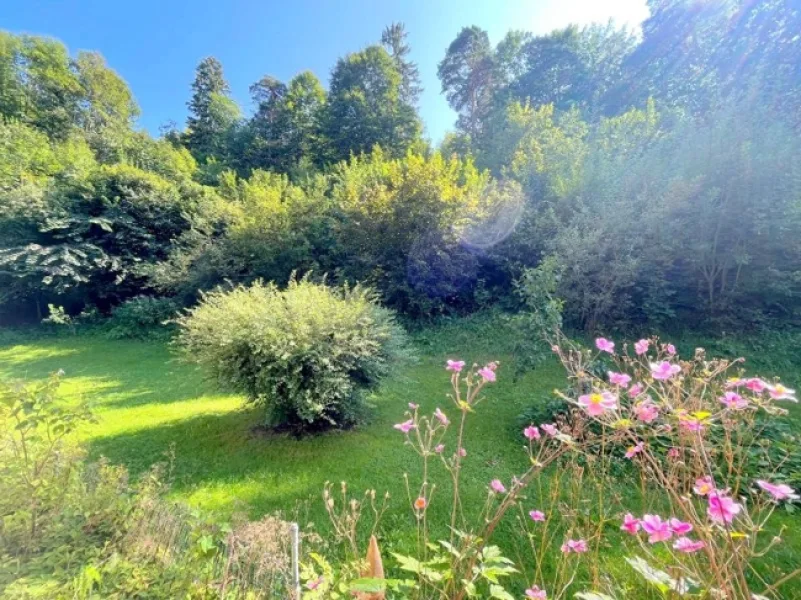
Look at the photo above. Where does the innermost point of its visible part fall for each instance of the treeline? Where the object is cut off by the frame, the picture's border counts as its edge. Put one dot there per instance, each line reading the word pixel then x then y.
pixel 656 176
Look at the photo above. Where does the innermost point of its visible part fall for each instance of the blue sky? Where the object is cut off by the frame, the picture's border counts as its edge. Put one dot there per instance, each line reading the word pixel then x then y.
pixel 156 44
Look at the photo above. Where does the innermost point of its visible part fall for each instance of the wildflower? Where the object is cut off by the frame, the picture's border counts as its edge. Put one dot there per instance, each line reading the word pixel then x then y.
pixel 455 365
pixel 631 524
pixel 680 527
pixel 605 345
pixel 413 406
pixel 704 486
pixel 756 385
pixel 671 349
pixel 313 585
pixel 620 379
pixel 439 448
pixel 596 404
pixel 735 382
pixel 641 347
pixel 634 450
pixel 646 411
pixel 779 491
pixel 536 593
pixel 577 546
pixel 420 503
pixel 674 453
pixel 636 390
pixel 686 545
pixel 537 515
pixel 497 486
pixel 441 416
pixel 664 370
pixel 657 529
pixel 405 427
pixel 487 374
pixel 722 509
pixel 462 452
pixel 532 432
pixel 779 392
pixel 733 401
pixel 550 429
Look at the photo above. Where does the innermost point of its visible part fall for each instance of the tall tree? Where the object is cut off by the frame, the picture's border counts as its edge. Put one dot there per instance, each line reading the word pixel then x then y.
pixel 468 78
pixel 366 108
pixel 286 125
pixel 107 108
pixel 212 113
pixel 393 38
pixel 39 84
pixel 572 66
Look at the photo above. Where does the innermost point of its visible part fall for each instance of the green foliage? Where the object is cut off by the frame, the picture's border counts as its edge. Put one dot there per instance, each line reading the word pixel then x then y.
pixel 307 354
pixel 366 107
pixel 142 317
pixel 414 228
pixel 37 462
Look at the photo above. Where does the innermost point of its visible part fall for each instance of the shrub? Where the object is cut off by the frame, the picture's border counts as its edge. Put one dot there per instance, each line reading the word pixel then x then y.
pixel 142 317
pixel 307 354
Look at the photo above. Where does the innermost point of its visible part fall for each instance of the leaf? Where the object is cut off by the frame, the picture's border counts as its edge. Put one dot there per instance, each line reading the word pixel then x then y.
pixel 592 596
pixel 497 591
pixel 659 579
pixel 368 584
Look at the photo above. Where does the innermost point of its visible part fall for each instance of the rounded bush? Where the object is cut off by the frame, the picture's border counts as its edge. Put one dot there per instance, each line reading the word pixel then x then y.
pixel 307 354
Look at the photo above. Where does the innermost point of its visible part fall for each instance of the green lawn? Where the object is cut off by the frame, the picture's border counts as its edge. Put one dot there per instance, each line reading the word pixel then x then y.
pixel 147 401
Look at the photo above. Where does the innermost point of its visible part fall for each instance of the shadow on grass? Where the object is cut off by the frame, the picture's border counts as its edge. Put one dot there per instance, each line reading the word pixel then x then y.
pixel 114 373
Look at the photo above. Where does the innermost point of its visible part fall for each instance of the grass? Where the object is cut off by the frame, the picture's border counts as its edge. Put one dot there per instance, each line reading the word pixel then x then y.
pixel 148 402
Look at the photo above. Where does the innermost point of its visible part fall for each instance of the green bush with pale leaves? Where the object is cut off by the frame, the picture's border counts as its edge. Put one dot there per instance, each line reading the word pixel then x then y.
pixel 308 354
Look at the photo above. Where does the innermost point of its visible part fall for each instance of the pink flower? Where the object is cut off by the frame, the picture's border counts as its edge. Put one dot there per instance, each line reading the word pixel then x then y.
pixel 733 400
pixel 691 424
pixel 532 432
pixel 680 527
pixel 756 385
pixel 620 379
pixel 550 429
pixel 686 545
pixel 634 450
pixel 536 593
pixel 537 515
pixel 674 453
pixel 596 404
pixel 664 370
pixel 704 486
pixel 313 585
pixel 439 448
pixel 462 452
pixel 631 524
pixel 577 546
pixel 641 347
pixel 657 529
pixel 722 509
pixel 441 416
pixel 405 427
pixel 455 365
pixel 671 349
pixel 646 411
pixel 779 491
pixel 735 383
pixel 636 390
pixel 413 406
pixel 779 392
pixel 605 345
pixel 487 374
pixel 497 486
